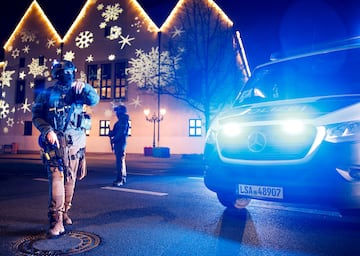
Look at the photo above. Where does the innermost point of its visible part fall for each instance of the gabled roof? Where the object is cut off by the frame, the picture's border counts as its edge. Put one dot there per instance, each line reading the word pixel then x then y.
pixel 142 6
pixel 179 7
pixel 36 10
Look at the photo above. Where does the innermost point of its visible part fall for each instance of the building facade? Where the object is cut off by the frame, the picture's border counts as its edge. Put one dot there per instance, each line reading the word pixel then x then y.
pixel 129 60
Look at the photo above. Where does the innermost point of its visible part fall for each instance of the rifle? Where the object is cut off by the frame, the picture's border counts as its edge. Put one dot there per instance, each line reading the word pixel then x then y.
pixel 51 154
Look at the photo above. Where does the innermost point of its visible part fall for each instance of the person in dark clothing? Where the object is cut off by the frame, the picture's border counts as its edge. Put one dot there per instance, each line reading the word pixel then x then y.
pixel 118 136
pixel 58 113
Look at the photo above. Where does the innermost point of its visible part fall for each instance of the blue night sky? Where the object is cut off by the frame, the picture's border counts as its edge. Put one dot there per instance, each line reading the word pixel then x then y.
pixel 266 26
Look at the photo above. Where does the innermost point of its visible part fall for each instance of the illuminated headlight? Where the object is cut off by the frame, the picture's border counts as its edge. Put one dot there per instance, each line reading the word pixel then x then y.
pixel 293 127
pixel 231 129
pixel 347 131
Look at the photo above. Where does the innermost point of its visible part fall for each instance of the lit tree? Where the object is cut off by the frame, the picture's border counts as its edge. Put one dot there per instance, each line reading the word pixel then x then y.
pixel 199 65
pixel 209 77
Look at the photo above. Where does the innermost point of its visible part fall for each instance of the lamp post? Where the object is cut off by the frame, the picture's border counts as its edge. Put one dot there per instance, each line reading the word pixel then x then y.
pixel 154 119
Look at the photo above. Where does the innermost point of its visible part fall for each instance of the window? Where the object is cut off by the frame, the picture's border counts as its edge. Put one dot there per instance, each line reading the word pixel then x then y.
pixel 104 127
pixel 20 92
pixel 39 86
pixel 109 79
pixel 27 128
pixel 195 127
pixel 106 83
pixel 120 81
pixel 22 62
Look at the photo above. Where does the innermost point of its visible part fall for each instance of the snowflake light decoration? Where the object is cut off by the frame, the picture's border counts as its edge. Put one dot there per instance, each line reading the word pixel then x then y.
pixel 4 109
pixel 35 69
pixel 115 33
pixel 15 53
pixel 84 39
pixel 6 77
pixel 10 122
pixel 27 36
pixel 144 70
pixel 137 24
pixel 112 12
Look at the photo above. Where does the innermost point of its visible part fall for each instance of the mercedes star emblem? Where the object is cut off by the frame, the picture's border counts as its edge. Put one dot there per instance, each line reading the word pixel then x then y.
pixel 256 142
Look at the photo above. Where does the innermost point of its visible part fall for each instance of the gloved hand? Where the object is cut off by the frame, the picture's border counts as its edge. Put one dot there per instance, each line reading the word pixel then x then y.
pixel 78 86
pixel 53 139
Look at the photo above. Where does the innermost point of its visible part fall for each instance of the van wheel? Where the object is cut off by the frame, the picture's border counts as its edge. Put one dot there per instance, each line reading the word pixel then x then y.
pixel 233 202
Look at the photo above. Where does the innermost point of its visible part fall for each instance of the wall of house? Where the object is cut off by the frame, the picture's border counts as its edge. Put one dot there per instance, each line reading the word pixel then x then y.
pixel 133 37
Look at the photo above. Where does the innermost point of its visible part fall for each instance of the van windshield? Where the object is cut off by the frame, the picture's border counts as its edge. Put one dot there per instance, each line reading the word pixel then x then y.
pixel 331 73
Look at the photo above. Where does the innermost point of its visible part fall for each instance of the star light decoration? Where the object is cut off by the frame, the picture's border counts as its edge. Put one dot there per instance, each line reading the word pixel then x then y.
pixel 125 41
pixel 26 49
pixel 50 43
pixel 25 106
pixel 22 75
pixel 69 56
pixel 89 58
pixel 136 102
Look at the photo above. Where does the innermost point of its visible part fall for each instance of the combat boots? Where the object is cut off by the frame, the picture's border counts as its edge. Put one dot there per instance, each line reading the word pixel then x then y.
pixel 56 224
pixel 66 217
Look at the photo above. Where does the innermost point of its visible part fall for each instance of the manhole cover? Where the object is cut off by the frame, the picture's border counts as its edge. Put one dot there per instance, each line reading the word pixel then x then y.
pixel 70 243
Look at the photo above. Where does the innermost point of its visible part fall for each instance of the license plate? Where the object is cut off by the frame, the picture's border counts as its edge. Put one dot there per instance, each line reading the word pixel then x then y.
pixel 260 191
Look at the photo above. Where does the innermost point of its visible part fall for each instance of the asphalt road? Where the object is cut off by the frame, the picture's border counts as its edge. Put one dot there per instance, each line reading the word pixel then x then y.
pixel 164 209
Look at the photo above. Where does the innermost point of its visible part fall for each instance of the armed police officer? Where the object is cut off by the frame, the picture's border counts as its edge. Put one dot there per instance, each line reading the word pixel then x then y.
pixel 59 115
pixel 118 136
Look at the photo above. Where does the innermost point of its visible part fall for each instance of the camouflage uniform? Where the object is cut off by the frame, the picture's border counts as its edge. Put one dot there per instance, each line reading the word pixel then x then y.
pixel 60 109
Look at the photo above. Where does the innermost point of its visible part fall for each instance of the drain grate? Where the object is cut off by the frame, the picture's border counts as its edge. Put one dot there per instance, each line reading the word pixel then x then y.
pixel 70 243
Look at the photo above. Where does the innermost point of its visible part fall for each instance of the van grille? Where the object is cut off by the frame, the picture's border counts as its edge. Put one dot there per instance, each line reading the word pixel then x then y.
pixel 266 143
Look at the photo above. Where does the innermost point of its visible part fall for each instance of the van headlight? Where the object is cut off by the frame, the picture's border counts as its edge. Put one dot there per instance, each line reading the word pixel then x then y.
pixel 341 132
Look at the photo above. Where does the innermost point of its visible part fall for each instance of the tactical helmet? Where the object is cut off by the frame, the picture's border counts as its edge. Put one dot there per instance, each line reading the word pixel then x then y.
pixel 59 67
pixel 121 109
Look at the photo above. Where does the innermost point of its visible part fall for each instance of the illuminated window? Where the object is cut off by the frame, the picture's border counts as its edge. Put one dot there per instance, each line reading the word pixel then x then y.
pixel 195 127
pixel 92 76
pixel 104 127
pixel 109 80
pixel 106 81
pixel 120 81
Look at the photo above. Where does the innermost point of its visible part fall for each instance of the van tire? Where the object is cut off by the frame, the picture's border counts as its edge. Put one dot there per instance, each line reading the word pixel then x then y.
pixel 232 201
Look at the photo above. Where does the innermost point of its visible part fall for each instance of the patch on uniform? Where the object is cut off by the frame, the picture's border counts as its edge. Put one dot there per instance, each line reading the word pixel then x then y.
pixel 70 243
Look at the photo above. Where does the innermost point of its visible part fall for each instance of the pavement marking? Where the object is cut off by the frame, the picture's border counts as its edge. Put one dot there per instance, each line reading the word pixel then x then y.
pixel 136 191
pixel 329 212
pixel 140 174
pixel 41 179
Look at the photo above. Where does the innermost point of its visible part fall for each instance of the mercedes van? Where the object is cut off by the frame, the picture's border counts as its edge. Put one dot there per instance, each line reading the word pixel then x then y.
pixel 292 135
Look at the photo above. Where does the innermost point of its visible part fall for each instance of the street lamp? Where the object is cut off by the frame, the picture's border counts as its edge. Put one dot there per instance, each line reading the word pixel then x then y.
pixel 154 119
